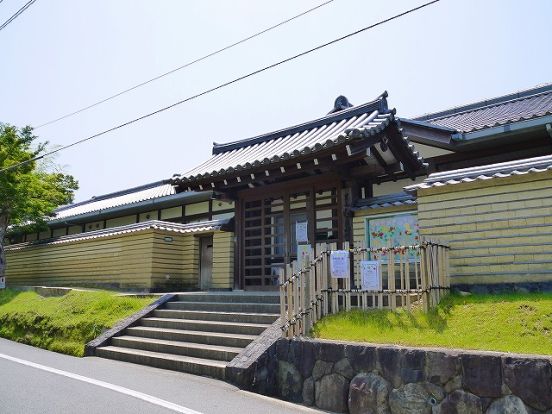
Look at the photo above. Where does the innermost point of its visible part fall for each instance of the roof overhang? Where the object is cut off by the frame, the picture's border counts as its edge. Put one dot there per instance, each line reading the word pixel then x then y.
pixel 192 228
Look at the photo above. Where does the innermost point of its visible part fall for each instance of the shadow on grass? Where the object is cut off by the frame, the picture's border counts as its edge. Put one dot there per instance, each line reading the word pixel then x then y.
pixel 7 295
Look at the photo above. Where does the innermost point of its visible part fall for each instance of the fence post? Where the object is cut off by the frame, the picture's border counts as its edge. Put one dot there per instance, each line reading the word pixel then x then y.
pixel 283 316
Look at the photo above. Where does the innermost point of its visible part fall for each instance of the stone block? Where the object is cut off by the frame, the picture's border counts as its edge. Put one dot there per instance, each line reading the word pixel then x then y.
pixel 531 380
pixel 321 368
pixel 330 352
pixel 331 393
pixel 440 367
pixel 389 364
pixel 507 405
pixel 459 402
pixel 308 359
pixel 343 368
pixel 308 391
pixel 415 398
pixel 369 394
pixel 290 382
pixel 482 374
pixel 362 358
pixel 412 365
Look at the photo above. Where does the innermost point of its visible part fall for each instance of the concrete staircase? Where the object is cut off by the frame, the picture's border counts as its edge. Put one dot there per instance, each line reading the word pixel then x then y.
pixel 198 333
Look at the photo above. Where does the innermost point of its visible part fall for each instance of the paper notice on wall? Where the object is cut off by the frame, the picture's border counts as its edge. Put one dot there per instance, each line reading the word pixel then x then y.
pixel 2 282
pixel 304 254
pixel 370 275
pixel 301 232
pixel 339 264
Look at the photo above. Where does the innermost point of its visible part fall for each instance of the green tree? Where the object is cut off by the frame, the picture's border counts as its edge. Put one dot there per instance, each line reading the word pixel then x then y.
pixel 29 193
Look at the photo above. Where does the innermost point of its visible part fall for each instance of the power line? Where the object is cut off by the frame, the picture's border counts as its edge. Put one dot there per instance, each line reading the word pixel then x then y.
pixel 17 13
pixel 222 85
pixel 211 54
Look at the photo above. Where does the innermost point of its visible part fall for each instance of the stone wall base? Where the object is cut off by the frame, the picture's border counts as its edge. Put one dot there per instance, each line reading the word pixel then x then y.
pixel 358 378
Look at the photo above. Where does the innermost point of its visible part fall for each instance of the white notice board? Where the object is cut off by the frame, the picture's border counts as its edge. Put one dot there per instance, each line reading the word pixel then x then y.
pixel 304 255
pixel 2 282
pixel 301 232
pixel 370 275
pixel 340 264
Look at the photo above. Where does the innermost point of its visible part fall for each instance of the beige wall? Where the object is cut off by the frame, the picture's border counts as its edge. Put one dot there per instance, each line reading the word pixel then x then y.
pixel 499 230
pixel 197 208
pixel 392 187
pixel 172 212
pixel 223 260
pixel 123 261
pixel 147 259
pixel 120 221
pixel 175 260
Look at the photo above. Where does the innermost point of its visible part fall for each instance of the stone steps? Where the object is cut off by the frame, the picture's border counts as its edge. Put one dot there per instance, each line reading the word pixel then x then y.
pixel 218 352
pixel 192 336
pixel 228 298
pixel 260 318
pixel 192 365
pixel 247 307
pixel 198 333
pixel 208 326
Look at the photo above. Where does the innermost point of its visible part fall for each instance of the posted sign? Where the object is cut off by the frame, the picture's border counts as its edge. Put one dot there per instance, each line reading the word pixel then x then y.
pixel 370 274
pixel 2 282
pixel 301 232
pixel 304 254
pixel 339 264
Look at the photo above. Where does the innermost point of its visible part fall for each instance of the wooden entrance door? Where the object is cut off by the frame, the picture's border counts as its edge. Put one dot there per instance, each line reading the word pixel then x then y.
pixel 268 219
pixel 206 262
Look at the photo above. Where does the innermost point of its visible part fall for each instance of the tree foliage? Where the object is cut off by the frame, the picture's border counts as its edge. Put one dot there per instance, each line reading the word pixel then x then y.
pixel 29 193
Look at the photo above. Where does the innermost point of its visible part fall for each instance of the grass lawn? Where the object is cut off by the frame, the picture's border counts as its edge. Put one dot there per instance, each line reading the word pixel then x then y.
pixel 519 323
pixel 62 324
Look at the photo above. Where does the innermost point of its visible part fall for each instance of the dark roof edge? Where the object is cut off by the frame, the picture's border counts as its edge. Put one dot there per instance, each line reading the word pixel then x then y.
pixel 116 194
pixel 425 124
pixel 129 208
pixel 485 102
pixel 380 103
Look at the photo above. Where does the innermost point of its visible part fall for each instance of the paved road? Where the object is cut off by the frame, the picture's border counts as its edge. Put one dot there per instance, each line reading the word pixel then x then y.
pixel 33 381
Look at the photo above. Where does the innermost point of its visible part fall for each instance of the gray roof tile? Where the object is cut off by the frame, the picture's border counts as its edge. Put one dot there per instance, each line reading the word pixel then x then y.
pixel 485 172
pixel 519 106
pixel 334 129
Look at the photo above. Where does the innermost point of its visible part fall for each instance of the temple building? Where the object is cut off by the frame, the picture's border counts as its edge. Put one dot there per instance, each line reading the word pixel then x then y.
pixel 476 176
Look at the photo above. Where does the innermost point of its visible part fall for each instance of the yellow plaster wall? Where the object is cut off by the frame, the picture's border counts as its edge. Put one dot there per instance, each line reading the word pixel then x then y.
pixel 120 221
pixel 120 261
pixel 223 260
pixel 500 230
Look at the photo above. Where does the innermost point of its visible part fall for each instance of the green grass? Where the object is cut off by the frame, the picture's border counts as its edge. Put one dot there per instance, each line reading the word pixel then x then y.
pixel 519 323
pixel 62 324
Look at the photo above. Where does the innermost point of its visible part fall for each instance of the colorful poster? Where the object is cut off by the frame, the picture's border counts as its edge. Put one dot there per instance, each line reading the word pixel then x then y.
pixel 340 264
pixel 301 232
pixel 393 231
pixel 370 275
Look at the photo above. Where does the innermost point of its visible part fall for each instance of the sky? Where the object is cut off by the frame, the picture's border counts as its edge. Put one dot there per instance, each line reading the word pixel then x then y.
pixel 61 55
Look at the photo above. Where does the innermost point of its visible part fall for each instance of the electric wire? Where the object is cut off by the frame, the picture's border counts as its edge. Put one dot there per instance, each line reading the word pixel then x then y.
pixel 188 64
pixel 17 13
pixel 220 86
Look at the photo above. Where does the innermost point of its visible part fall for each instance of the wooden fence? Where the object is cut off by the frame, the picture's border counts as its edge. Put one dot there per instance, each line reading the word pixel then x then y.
pixel 409 276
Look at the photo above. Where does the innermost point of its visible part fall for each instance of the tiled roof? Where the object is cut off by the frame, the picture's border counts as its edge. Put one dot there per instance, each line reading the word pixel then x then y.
pixel 334 129
pixel 130 196
pixel 201 227
pixel 519 106
pixel 486 172
pixel 388 200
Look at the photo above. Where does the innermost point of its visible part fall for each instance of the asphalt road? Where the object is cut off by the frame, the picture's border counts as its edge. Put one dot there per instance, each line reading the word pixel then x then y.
pixel 33 381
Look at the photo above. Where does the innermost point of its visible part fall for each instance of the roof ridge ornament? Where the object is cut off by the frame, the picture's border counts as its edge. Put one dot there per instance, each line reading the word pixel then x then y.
pixel 340 103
